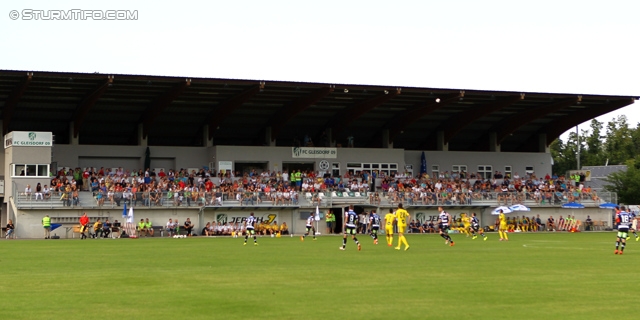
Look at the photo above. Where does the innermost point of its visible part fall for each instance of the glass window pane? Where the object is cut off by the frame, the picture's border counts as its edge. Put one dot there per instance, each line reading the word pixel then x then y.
pixel 31 170
pixel 393 166
pixel 43 170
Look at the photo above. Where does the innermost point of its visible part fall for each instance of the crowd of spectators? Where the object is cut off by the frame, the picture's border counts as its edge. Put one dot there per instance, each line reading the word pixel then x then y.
pixel 198 188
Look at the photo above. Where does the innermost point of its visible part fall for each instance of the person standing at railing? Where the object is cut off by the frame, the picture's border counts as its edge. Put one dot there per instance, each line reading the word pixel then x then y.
pixel 46 224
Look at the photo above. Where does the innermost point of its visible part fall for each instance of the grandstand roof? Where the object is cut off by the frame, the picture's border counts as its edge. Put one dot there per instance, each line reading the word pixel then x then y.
pixel 173 111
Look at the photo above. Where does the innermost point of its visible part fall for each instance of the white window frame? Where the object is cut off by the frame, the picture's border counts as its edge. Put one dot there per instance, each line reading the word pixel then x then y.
pixel 529 170
pixel 508 172
pixel 20 166
pixel 335 166
pixel 435 173
pixel 486 172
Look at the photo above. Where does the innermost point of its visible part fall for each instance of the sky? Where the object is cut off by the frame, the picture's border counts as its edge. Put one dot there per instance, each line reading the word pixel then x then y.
pixel 584 47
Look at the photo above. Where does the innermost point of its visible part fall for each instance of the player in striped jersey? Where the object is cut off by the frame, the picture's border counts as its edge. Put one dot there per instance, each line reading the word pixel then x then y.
pixel 444 219
pixel 349 227
pixel 475 227
pixel 624 221
pixel 249 224
pixel 309 228
pixel 374 225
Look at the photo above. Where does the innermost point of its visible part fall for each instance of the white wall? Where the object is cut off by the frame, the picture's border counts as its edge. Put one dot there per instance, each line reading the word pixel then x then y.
pixel 541 162
pixel 112 156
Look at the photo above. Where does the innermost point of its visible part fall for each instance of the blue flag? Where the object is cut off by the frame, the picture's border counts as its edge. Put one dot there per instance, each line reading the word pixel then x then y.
pixel 124 211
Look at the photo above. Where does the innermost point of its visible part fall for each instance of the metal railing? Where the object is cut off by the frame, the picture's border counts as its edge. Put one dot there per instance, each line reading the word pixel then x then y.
pixel 88 199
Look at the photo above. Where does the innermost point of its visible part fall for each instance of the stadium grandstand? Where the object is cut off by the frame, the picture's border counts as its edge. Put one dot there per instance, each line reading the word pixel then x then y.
pixel 217 149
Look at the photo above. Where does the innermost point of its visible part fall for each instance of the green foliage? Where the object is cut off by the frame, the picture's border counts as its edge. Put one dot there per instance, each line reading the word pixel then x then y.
pixel 626 183
pixel 616 145
pixel 533 276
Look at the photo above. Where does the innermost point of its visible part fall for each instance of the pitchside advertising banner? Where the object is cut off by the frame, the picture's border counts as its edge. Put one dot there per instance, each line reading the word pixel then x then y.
pixel 241 217
pixel 302 152
pixel 28 139
pixel 423 216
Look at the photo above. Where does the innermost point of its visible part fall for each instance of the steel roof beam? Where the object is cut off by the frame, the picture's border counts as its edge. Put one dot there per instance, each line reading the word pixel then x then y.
pixel 456 124
pixel 225 108
pixel 12 101
pixel 162 102
pixel 87 103
pixel 279 120
pixel 404 120
pixel 346 117
pixel 511 124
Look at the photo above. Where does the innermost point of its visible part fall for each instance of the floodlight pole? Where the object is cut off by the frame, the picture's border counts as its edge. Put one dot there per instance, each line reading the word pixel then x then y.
pixel 578 143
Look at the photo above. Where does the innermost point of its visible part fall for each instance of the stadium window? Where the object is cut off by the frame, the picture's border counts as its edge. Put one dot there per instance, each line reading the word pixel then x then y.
pixel 508 172
pixel 435 171
pixel 30 170
pixel 458 168
pixel 485 171
pixel 335 169
pixel 528 170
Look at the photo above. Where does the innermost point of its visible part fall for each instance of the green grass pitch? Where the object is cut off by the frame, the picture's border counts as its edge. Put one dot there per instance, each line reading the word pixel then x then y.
pixel 533 276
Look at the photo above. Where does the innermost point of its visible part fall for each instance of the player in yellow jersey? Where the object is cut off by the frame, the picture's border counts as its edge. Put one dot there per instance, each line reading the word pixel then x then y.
pixel 503 227
pixel 389 220
pixel 466 222
pixel 402 216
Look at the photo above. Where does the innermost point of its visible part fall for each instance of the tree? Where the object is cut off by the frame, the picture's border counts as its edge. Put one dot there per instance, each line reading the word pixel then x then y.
pixel 594 150
pixel 619 146
pixel 564 154
pixel 626 183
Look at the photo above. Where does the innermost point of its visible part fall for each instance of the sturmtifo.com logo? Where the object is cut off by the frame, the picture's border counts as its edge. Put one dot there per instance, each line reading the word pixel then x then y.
pixel 73 14
pixel 32 136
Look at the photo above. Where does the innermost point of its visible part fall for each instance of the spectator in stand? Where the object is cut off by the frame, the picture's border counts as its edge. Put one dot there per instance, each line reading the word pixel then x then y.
pixel 28 192
pixel 39 192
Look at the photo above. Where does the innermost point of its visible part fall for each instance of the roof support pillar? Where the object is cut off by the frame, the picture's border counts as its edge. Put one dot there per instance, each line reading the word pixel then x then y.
pixel 268 140
pixel 73 137
pixel 494 146
pixel 441 145
pixel 207 140
pixel 329 133
pixel 142 138
pixel 542 143
pixel 386 140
